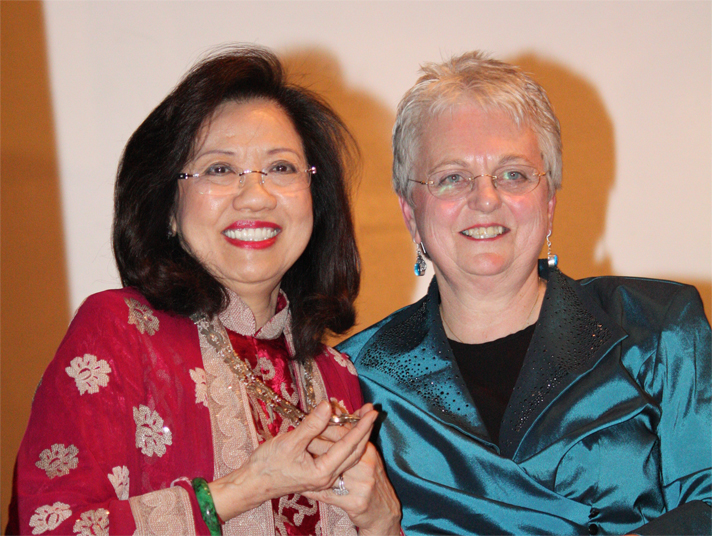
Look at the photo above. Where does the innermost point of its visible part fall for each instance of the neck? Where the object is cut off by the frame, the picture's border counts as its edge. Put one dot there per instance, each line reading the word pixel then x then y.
pixel 263 304
pixel 488 309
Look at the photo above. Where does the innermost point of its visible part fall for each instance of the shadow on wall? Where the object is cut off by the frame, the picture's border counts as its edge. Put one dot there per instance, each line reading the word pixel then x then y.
pixel 589 166
pixel 35 299
pixel 387 253
pixel 589 172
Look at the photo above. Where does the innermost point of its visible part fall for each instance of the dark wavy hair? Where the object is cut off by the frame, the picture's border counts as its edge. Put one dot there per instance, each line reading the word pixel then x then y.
pixel 323 283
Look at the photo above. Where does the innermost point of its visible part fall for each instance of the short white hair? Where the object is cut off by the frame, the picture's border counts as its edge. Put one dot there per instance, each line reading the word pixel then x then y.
pixel 475 78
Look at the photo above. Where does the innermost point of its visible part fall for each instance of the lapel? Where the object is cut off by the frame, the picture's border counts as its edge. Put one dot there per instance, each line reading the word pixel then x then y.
pixel 411 351
pixel 573 353
pixel 559 394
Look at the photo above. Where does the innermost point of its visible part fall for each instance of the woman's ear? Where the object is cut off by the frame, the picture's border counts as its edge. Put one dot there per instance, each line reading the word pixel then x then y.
pixel 409 218
pixel 550 211
pixel 172 226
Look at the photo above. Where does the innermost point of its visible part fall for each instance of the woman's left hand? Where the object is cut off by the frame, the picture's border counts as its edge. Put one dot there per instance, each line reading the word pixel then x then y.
pixel 371 502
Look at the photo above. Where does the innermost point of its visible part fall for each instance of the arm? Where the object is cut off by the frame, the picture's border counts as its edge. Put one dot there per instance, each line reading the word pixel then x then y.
pixel 371 503
pixel 101 451
pixel 681 383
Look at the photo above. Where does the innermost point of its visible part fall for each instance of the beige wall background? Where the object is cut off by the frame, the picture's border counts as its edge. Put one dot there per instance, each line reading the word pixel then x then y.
pixel 630 81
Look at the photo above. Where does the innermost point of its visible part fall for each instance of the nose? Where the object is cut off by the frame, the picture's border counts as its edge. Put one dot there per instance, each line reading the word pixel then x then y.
pixel 484 196
pixel 251 193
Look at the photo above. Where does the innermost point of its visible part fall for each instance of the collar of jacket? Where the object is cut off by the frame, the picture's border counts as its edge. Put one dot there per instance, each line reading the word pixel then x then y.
pixel 572 337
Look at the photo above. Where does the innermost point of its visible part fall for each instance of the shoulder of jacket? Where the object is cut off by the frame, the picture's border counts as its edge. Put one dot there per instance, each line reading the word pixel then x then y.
pixel 354 344
pixel 117 304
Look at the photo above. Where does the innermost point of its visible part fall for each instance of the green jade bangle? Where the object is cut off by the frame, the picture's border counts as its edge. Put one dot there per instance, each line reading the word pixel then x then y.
pixel 207 506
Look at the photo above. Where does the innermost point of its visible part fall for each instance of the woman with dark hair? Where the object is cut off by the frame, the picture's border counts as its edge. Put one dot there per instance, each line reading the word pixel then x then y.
pixel 198 399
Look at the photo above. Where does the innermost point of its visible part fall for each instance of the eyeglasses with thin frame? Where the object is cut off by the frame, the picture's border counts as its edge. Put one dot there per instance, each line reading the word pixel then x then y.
pixel 510 179
pixel 223 179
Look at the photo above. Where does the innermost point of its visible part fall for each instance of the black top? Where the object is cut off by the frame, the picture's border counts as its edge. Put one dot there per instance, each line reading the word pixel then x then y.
pixel 490 371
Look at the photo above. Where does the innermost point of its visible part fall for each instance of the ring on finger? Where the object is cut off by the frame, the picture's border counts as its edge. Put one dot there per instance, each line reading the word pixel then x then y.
pixel 340 488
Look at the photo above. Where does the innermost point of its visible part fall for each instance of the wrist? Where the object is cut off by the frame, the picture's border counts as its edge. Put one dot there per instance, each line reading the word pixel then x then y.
pixel 393 529
pixel 207 506
pixel 237 493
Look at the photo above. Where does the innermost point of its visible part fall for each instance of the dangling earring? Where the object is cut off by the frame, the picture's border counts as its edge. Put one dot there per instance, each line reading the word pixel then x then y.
pixel 551 260
pixel 420 265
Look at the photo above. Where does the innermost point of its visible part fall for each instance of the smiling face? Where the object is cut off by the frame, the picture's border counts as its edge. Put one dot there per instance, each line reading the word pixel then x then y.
pixel 485 232
pixel 250 237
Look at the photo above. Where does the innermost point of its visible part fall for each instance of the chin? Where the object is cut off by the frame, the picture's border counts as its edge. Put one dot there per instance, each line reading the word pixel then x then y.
pixel 488 264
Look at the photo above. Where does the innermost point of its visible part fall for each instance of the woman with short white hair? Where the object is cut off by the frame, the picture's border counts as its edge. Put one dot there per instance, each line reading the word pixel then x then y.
pixel 518 400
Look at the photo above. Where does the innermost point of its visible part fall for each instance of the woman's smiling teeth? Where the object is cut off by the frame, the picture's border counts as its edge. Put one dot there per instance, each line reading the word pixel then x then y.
pixel 251 234
pixel 480 233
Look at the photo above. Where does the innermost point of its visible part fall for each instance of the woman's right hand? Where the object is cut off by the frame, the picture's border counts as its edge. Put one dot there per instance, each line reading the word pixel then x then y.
pixel 283 465
pixel 371 503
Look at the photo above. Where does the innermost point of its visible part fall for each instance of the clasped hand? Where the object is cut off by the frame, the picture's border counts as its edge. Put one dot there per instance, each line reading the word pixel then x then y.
pixel 308 460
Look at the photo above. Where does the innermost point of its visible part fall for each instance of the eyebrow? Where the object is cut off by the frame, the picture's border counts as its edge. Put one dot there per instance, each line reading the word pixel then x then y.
pixel 445 163
pixel 214 151
pixel 505 159
pixel 228 152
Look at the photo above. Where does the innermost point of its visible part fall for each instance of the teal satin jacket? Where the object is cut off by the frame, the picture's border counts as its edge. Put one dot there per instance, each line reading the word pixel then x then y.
pixel 607 430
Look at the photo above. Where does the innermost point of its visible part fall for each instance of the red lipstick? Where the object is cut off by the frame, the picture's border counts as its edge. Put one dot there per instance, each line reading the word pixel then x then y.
pixel 252 234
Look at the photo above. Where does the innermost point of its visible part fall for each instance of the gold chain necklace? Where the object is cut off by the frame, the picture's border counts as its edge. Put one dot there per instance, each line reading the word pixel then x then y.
pixel 217 337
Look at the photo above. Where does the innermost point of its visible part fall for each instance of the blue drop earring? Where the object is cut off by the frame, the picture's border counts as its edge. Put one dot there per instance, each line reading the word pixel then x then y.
pixel 420 265
pixel 551 260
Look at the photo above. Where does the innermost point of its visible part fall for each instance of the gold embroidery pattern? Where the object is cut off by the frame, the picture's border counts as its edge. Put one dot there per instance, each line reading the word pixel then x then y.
pixel 293 398
pixel 49 517
pixel 151 436
pixel 89 373
pixel 201 389
pixel 119 478
pixel 264 368
pixel 292 504
pixel 93 523
pixel 339 521
pixel 234 435
pixel 58 460
pixel 165 512
pixel 334 521
pixel 342 360
pixel 142 316
pixel 217 337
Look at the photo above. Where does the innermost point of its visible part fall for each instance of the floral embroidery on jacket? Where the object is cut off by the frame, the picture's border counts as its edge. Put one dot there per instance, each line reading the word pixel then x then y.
pixel 201 388
pixel 151 436
pixel 89 373
pixel 93 523
pixel 342 360
pixel 142 316
pixel 264 368
pixel 58 460
pixel 119 478
pixel 49 517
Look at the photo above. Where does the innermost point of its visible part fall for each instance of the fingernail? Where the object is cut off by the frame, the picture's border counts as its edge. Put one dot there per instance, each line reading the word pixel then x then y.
pixel 323 409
